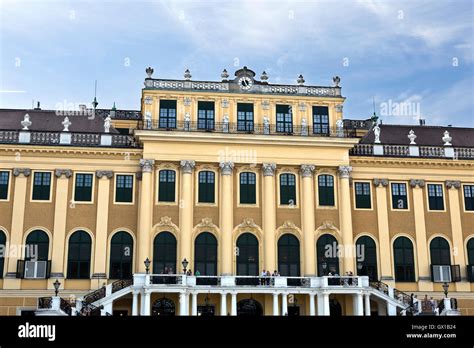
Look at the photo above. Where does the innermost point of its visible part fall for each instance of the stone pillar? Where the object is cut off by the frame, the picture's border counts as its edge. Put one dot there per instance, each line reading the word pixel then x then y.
pixel 16 234
pixel 135 303
pixel 367 304
pixel 186 210
pixel 146 303
pixel 307 211
pixel 100 256
pixel 59 228
pixel 383 228
pixel 223 304
pixel 456 229
pixel 226 216
pixel 345 216
pixel 269 215
pixel 284 304
pixel 424 278
pixel 358 305
pixel 145 213
pixel 194 305
pixel 312 309
pixel 182 304
pixel 275 304
pixel 233 310
pixel 326 307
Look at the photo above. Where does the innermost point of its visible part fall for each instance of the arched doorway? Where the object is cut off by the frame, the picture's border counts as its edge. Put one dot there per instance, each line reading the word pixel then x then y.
pixel 327 249
pixel 367 260
pixel 121 256
pixel 205 254
pixel 335 309
pixel 247 256
pixel 249 308
pixel 289 256
pixel 164 253
pixel 163 307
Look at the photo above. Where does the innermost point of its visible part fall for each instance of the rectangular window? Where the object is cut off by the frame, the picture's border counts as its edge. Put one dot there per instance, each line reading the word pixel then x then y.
pixel 206 187
pixel 168 114
pixel 4 181
pixel 287 189
pixel 399 196
pixel 245 117
pixel 469 197
pixel 83 188
pixel 206 115
pixel 166 187
pixel 41 186
pixel 248 188
pixel 321 120
pixel 124 189
pixel 284 119
pixel 326 190
pixel 362 193
pixel 435 197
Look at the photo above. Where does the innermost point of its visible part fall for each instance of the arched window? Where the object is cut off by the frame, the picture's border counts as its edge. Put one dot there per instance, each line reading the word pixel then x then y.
pixel 439 251
pixel 37 244
pixel 326 190
pixel 3 242
pixel 249 307
pixel 289 256
pixel 163 307
pixel 247 255
pixel 328 261
pixel 470 259
pixel 164 253
pixel 79 256
pixel 206 187
pixel 205 254
pixel 287 189
pixel 121 256
pixel 404 260
pixel 366 257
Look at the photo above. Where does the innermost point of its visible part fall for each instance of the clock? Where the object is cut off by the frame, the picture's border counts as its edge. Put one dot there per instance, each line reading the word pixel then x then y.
pixel 245 83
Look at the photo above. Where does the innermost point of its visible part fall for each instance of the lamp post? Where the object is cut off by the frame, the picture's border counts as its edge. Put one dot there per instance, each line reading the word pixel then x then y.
pixel 147 265
pixel 56 284
pixel 185 265
pixel 445 288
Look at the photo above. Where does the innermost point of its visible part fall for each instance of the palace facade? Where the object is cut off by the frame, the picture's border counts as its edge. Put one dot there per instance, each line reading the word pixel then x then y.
pixel 226 179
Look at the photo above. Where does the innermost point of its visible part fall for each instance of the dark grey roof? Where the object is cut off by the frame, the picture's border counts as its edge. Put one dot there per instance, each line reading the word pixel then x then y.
pixel 120 114
pixel 51 120
pixel 425 135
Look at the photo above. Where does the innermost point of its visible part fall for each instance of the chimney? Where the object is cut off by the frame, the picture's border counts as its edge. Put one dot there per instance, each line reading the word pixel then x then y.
pixel 38 106
pixel 422 121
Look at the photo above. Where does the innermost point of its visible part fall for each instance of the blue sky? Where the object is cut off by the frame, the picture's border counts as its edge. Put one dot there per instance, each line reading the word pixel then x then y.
pixel 414 53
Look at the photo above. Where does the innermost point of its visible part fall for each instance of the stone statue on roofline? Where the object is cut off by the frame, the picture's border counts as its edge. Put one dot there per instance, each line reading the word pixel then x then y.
pixel 377 134
pixel 107 123
pixel 26 122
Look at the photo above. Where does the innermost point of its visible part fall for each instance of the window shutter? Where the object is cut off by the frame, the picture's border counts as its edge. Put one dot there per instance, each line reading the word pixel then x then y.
pixel 48 269
pixel 455 273
pixel 20 268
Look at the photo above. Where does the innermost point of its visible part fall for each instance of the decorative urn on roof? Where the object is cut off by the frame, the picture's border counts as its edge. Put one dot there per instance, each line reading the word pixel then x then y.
pixel 187 74
pixel 66 123
pixel 149 71
pixel 264 77
pixel 300 80
pixel 224 75
pixel 412 136
pixel 26 122
pixel 447 139
pixel 336 80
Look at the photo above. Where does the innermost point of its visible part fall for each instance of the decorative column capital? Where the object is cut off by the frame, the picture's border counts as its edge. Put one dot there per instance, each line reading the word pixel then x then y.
pixel 108 174
pixel 344 172
pixel 268 169
pixel 25 171
pixel 417 183
pixel 226 168
pixel 187 166
pixel 307 170
pixel 60 172
pixel 380 182
pixel 147 165
pixel 455 184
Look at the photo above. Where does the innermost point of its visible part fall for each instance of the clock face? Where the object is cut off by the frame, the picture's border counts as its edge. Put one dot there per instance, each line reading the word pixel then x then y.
pixel 245 83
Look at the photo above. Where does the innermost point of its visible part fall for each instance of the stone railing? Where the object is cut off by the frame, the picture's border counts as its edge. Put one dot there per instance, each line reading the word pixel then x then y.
pixel 66 139
pixel 412 151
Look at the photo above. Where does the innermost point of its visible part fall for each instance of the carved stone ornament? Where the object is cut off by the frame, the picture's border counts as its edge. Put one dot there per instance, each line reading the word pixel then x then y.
pixel 66 124
pixel 381 182
pixel 225 103
pixel 447 139
pixel 206 222
pixel 187 166
pixel 26 122
pixel 187 101
pixel 147 165
pixel 60 172
pixel 247 223
pixel 226 168
pixel 25 171
pixel 453 184
pixel 412 136
pixel 265 105
pixel 327 225
pixel 104 174
pixel 165 221
pixel 148 100
pixel 268 169
pixel 417 182
pixel 344 171
pixel 307 170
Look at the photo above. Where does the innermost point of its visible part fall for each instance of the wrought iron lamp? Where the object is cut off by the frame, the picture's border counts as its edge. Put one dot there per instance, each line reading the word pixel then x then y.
pixel 147 265
pixel 185 265
pixel 56 284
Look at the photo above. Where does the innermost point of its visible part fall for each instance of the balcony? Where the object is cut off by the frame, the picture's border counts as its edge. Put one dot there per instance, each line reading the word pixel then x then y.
pixel 412 151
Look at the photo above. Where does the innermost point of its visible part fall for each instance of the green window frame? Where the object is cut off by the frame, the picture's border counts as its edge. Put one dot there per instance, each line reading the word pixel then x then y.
pixel 205 254
pixel 83 187
pixel 404 260
pixel 206 187
pixel 440 251
pixel 435 197
pixel 287 189
pixel 362 195
pixel 37 242
pixel 206 115
pixel 245 117
pixel 124 188
pixel 41 186
pixel 79 255
pixel 167 114
pixel 284 119
pixel 164 253
pixel 468 197
pixel 326 190
pixel 321 120
pixel 289 255
pixel 248 188
pixel 399 196
pixel 167 186
pixel 121 256
pixel 4 182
